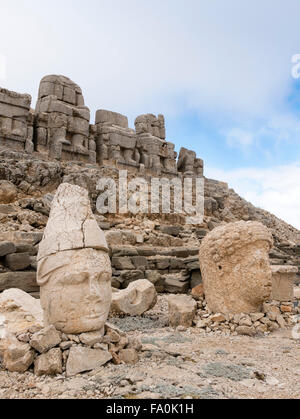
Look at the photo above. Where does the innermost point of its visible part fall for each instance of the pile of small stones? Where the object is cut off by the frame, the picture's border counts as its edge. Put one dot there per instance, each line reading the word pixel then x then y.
pixel 275 315
pixel 47 351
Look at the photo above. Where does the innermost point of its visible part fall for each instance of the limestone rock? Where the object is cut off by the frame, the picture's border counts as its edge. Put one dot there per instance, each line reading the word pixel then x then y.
pixel 18 357
pixel 74 270
pixel 26 281
pixel 49 363
pixel 18 261
pixel 182 310
pixel 245 330
pixel 235 267
pixel 139 297
pixel 71 224
pixel 91 338
pixel 129 356
pixel 45 339
pixel 20 311
pixel 283 279
pixel 7 248
pixel 85 359
pixel 198 292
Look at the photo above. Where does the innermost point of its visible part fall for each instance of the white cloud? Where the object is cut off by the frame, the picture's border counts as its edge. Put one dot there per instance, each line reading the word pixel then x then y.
pixel 136 56
pixel 276 189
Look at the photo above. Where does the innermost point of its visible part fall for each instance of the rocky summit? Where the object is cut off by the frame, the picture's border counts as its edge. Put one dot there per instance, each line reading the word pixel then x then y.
pixel 126 304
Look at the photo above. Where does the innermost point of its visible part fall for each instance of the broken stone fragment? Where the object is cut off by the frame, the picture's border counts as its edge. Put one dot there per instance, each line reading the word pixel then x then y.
pixel 245 330
pixel 139 297
pixel 129 356
pixel 85 359
pixel 182 310
pixel 91 338
pixel 20 311
pixel 17 357
pixel 45 339
pixel 49 363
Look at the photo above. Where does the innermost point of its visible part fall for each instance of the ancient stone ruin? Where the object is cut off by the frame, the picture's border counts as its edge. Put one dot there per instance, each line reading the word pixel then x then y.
pixel 116 296
pixel 60 129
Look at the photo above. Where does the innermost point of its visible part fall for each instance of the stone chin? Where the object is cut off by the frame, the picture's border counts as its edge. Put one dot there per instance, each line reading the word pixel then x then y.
pixel 76 290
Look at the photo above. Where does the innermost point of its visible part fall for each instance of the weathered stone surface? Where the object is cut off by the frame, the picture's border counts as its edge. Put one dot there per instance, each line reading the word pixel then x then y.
pixel 45 339
pixel 49 363
pixel 25 281
pixel 245 330
pixel 8 192
pixel 85 359
pixel 111 118
pixel 283 280
pixel 198 292
pixel 182 310
pixel 71 224
pixel 18 261
pixel 235 267
pixel 139 297
pixel 16 301
pixel 176 286
pixel 74 269
pixel 18 357
pixel 91 338
pixel 129 356
pixel 6 248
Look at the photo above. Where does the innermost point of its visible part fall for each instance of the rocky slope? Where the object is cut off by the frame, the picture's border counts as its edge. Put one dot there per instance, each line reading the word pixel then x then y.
pixel 161 248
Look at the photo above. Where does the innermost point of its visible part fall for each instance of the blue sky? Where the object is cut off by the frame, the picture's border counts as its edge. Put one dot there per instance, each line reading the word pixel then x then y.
pixel 219 70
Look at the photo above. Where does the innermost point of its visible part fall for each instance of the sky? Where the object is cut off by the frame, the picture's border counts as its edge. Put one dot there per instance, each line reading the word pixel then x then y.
pixel 220 71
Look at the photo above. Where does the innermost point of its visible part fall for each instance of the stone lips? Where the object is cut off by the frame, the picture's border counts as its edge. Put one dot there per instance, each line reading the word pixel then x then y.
pixel 71 224
pixel 235 267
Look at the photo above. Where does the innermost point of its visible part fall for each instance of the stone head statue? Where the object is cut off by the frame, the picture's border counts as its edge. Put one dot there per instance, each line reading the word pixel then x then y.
pixel 234 261
pixel 74 270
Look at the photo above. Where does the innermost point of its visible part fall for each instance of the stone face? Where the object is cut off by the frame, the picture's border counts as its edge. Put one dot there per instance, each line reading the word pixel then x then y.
pixel 18 261
pixel 74 270
pixel 45 339
pixel 283 280
pixel 139 297
pixel 49 363
pixel 85 359
pixel 182 310
pixel 235 267
pixel 18 357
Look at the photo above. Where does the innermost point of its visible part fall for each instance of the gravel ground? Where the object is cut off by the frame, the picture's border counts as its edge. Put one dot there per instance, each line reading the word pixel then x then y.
pixel 178 364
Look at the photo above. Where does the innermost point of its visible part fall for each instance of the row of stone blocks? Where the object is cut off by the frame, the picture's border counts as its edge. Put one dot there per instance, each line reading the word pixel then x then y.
pixel 60 128
pixel 174 270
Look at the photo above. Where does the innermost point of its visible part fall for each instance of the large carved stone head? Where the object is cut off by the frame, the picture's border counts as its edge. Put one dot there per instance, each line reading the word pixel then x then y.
pixel 235 267
pixel 74 270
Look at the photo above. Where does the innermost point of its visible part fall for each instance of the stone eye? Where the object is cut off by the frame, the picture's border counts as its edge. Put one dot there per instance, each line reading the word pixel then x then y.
pixel 79 278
